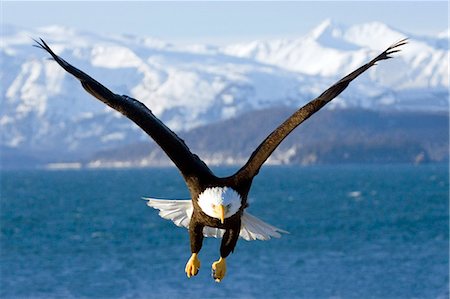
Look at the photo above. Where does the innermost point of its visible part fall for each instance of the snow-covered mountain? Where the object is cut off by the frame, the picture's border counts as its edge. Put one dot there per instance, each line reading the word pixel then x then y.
pixel 44 110
pixel 334 50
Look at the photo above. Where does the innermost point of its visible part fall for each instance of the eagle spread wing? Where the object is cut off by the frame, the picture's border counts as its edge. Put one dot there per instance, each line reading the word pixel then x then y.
pixel 266 148
pixel 189 164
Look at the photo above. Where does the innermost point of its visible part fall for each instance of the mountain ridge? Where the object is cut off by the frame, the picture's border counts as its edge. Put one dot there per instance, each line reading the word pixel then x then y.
pixel 330 137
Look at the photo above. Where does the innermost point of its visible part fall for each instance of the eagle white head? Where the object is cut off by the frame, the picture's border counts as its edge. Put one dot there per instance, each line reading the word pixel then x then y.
pixel 219 202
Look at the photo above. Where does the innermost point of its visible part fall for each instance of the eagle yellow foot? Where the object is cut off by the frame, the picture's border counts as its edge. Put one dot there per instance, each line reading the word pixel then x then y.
pixel 219 269
pixel 192 266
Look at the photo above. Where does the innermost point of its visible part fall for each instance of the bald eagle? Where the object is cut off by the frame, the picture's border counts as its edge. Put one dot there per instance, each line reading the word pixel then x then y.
pixel 217 205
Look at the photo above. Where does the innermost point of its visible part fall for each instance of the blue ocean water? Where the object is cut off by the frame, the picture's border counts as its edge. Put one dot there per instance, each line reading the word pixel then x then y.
pixel 355 232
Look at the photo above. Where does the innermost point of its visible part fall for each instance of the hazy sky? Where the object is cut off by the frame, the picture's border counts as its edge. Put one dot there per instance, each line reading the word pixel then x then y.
pixel 218 22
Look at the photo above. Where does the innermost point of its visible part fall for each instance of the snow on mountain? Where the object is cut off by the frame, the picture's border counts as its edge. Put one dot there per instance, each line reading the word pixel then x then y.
pixel 45 110
pixel 334 50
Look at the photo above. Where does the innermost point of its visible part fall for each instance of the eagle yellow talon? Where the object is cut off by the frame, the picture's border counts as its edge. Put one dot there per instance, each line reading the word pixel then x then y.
pixel 219 269
pixel 192 266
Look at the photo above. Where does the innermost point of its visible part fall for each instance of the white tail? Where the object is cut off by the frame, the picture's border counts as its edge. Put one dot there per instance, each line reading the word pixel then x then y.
pixel 180 212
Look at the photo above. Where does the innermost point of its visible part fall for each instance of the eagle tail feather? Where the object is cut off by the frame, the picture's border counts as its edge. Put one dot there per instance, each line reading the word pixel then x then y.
pixel 180 212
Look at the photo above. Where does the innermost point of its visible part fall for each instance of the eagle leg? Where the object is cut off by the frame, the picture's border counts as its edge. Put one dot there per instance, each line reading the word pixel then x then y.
pixel 196 238
pixel 229 240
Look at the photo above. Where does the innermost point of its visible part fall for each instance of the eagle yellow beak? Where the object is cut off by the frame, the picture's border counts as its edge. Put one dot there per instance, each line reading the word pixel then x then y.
pixel 221 213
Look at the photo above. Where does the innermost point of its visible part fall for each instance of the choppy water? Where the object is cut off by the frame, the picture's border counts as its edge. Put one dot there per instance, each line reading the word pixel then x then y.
pixel 356 232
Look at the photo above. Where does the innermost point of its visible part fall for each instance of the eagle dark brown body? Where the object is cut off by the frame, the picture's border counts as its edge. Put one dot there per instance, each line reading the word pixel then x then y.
pixel 195 172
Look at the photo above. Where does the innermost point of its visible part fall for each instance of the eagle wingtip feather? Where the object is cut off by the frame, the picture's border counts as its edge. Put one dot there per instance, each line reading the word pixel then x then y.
pixel 395 47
